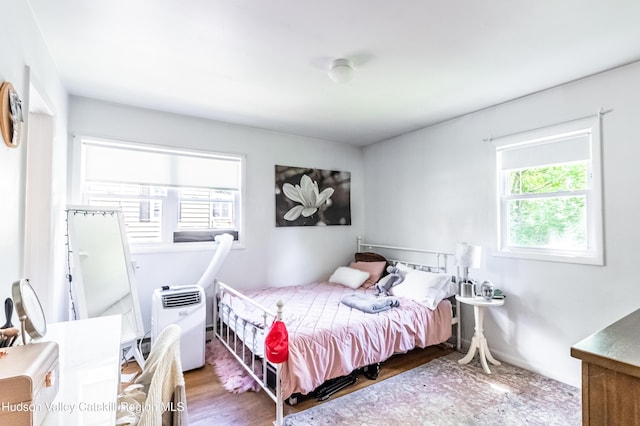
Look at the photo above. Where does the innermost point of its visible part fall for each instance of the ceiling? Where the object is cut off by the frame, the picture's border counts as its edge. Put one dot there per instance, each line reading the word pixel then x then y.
pixel 264 63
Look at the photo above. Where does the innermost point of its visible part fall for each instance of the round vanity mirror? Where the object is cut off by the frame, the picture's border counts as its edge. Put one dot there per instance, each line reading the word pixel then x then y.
pixel 29 310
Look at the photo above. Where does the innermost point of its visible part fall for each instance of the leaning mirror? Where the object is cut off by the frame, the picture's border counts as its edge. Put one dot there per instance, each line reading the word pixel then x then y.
pixel 103 282
pixel 29 310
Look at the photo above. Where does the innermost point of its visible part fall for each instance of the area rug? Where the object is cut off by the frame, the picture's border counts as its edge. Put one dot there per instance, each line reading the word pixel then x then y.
pixel 442 392
pixel 232 375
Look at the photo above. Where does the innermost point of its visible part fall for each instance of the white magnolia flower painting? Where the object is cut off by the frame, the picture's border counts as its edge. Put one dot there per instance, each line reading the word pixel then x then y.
pixel 312 197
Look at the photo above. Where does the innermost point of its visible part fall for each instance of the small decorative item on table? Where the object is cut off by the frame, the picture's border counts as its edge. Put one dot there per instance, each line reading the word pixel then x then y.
pixel 487 290
pixel 498 294
pixel 467 287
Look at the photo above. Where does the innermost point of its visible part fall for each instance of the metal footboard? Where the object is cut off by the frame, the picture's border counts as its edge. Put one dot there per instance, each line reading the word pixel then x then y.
pixel 247 348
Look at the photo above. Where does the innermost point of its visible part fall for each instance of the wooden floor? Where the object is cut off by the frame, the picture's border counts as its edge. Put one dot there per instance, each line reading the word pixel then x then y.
pixel 210 404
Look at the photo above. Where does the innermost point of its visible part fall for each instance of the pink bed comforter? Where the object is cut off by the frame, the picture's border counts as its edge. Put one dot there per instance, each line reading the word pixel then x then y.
pixel 328 339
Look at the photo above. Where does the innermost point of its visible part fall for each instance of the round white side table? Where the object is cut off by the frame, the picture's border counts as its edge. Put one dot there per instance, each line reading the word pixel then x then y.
pixel 478 341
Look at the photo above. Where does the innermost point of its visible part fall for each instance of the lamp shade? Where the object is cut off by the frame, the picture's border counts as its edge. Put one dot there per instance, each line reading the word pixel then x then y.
pixel 468 256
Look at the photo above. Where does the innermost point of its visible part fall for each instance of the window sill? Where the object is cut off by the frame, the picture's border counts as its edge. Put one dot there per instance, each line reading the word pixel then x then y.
pixel 597 260
pixel 179 247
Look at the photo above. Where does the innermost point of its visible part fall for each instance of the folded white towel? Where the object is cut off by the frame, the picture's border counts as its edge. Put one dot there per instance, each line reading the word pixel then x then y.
pixel 369 303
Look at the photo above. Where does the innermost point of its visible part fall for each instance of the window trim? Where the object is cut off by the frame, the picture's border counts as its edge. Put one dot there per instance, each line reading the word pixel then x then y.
pixel 594 255
pixel 76 193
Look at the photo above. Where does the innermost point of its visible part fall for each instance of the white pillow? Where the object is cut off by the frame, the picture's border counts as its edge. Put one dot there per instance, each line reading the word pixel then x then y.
pixel 424 287
pixel 349 277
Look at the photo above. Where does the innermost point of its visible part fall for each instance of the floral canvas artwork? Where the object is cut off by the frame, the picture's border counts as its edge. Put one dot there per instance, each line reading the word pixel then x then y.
pixel 312 197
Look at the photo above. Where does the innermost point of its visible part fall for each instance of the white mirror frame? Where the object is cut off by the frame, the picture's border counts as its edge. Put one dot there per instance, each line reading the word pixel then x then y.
pixel 130 335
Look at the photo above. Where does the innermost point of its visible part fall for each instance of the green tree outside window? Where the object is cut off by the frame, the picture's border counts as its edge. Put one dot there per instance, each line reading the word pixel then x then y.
pixel 547 208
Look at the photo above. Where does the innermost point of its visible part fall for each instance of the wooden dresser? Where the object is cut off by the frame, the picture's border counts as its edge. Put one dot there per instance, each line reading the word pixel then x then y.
pixel 611 373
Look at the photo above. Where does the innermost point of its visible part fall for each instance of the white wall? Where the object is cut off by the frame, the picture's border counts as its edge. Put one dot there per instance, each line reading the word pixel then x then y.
pixel 23 46
pixel 272 256
pixel 436 186
pixel 427 189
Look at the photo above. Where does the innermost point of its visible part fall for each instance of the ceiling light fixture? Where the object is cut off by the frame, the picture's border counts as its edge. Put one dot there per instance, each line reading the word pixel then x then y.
pixel 340 70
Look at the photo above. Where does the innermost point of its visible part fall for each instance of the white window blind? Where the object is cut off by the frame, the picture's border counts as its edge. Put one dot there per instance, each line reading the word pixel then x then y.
pixel 575 146
pixel 167 195
pixel 158 166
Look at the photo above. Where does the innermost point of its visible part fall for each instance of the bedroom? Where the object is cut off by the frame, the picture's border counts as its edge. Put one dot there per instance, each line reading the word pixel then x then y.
pixel 428 188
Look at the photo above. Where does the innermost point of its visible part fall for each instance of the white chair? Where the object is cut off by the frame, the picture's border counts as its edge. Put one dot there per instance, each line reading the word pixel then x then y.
pixel 160 386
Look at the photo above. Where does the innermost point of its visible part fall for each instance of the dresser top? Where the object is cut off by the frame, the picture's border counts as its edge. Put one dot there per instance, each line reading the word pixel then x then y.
pixel 615 345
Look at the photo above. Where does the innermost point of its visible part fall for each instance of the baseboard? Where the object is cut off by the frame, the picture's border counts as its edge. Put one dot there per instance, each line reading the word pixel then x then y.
pixel 209 332
pixel 519 362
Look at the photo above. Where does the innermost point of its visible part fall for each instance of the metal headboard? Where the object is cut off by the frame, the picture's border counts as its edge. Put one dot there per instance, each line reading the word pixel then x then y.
pixel 440 261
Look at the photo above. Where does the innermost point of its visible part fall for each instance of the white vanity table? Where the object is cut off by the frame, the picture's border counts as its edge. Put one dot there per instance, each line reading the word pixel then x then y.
pixel 89 356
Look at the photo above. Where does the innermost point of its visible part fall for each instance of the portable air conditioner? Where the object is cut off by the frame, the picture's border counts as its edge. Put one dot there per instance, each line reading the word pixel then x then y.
pixel 186 307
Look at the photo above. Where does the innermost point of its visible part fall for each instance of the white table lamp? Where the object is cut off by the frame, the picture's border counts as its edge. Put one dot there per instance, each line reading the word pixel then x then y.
pixel 467 256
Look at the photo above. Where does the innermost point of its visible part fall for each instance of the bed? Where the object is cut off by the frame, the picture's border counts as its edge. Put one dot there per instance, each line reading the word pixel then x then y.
pixel 328 338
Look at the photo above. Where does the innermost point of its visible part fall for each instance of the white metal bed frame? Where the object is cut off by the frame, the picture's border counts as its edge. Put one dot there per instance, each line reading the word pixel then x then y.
pixel 245 349
pixel 441 265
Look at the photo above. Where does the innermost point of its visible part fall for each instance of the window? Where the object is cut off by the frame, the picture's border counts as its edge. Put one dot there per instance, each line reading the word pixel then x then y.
pixel 166 195
pixel 549 191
